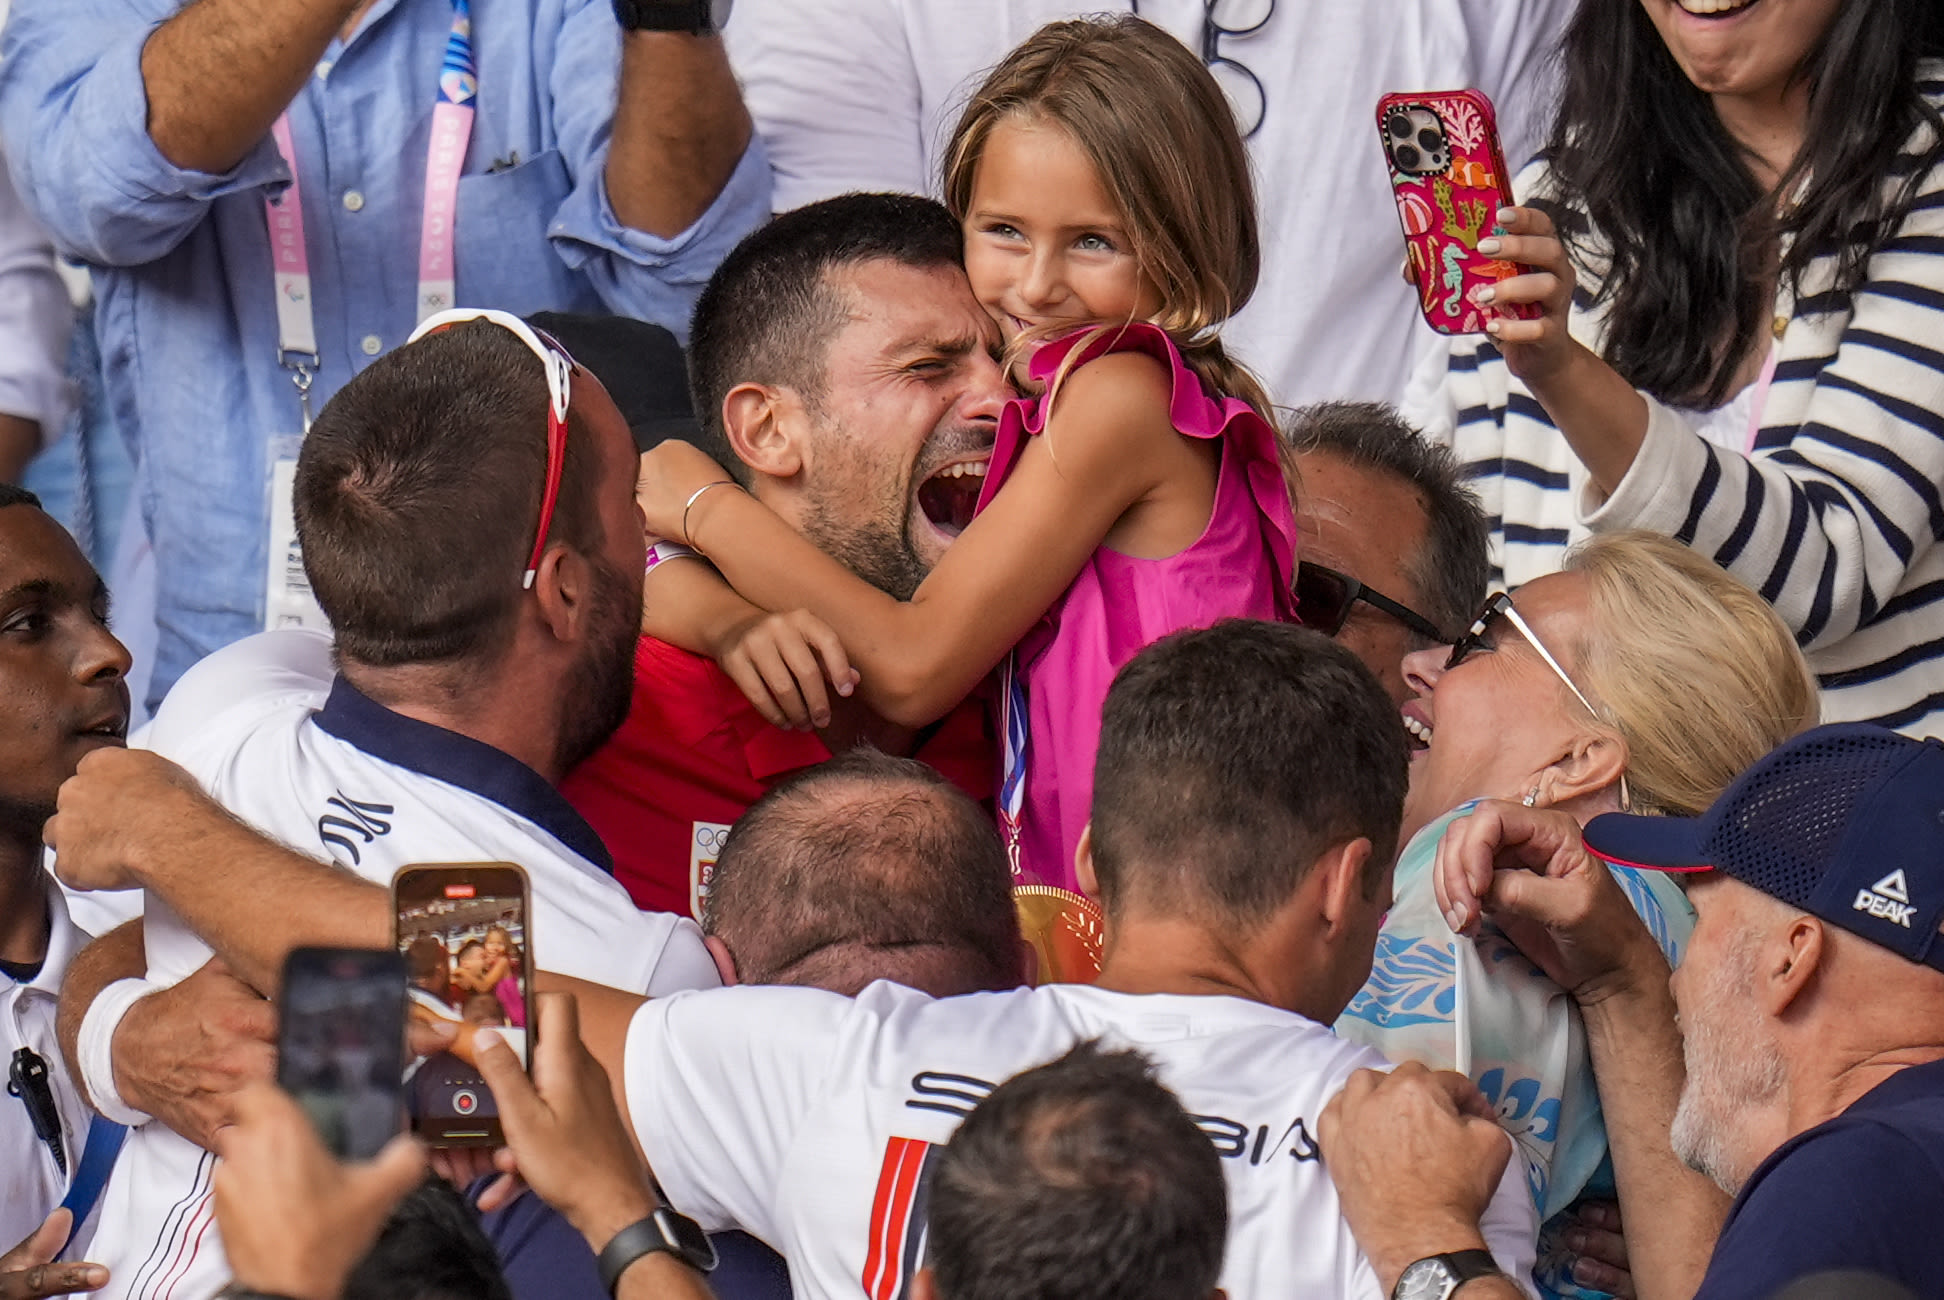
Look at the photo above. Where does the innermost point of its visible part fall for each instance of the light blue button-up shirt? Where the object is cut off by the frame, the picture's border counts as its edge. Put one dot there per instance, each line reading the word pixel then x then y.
pixel 187 316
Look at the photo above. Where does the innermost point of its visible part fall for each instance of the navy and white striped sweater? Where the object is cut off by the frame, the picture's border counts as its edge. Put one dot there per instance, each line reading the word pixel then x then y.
pixel 1835 517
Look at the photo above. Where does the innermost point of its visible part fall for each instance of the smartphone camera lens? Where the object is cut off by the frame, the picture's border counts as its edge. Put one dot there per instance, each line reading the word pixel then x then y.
pixel 1428 140
pixel 1398 125
pixel 1407 158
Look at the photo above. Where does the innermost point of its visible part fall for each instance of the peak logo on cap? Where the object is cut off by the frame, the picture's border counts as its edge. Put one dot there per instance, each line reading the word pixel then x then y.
pixel 1844 822
pixel 1888 898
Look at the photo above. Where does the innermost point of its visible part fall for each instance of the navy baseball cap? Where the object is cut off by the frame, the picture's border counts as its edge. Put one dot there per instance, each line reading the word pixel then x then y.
pixel 1845 822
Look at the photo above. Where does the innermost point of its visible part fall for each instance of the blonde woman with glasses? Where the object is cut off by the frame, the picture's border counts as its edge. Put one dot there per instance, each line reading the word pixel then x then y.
pixel 1641 677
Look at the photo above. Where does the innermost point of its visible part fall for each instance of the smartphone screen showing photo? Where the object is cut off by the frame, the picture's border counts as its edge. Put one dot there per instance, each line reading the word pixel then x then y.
pixel 341 1042
pixel 462 931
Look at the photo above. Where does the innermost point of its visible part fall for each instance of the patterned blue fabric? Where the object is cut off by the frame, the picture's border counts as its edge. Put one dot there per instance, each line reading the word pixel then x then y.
pixel 1523 1042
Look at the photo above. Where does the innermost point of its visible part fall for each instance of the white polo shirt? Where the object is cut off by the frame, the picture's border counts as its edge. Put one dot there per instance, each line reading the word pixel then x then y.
pixel 33 1183
pixel 278 738
pixel 809 1119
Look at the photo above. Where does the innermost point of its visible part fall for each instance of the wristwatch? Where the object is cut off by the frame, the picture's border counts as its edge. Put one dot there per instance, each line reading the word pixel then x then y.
pixel 666 1230
pixel 696 17
pixel 1436 1277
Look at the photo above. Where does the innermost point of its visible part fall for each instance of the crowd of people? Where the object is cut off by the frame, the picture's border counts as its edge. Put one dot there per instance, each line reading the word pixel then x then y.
pixel 1062 740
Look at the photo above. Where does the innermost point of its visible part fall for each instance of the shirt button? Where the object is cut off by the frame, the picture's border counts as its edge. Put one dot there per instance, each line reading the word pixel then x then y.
pixel 371 345
pixel 353 201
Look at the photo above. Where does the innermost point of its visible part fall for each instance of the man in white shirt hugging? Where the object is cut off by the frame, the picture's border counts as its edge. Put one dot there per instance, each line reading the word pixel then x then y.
pixel 1247 795
pixel 466 509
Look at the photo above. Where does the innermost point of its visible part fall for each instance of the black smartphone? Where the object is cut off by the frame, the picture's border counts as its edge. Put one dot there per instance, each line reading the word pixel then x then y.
pixel 341 1044
pixel 462 934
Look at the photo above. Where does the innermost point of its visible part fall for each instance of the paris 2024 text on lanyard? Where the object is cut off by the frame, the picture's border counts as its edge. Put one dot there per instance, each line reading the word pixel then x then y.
pixel 288 601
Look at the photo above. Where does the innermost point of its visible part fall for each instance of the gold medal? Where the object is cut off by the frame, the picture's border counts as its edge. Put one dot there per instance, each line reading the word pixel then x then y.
pixel 1065 930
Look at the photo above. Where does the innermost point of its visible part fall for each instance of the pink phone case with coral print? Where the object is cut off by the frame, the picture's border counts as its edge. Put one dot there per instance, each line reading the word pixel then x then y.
pixel 1449 179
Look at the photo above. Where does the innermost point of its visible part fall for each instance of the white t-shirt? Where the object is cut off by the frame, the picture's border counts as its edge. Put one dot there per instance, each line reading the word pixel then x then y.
pixel 863 95
pixel 34 1183
pixel 806 1119
pixel 274 736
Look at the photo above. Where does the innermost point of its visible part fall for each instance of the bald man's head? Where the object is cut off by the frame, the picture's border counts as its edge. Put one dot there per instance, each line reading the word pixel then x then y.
pixel 866 868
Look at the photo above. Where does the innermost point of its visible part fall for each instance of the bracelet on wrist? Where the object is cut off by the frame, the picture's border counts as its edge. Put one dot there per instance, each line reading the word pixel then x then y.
pixel 688 538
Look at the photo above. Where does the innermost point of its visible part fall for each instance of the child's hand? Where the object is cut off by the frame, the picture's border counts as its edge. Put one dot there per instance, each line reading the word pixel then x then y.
pixel 1535 350
pixel 779 661
pixel 670 474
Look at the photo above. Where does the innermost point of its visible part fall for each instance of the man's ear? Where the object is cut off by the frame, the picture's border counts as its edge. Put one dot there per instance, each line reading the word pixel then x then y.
pixel 725 961
pixel 1083 864
pixel 1589 770
pixel 563 587
pixel 760 424
pixel 1340 873
pixel 1790 962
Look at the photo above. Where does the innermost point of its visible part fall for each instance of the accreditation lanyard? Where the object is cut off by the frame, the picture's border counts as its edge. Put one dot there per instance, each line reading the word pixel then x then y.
pixel 452 124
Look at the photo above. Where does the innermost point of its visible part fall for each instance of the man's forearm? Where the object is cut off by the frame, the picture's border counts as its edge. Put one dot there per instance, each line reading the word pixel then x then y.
pixel 117 955
pixel 219 72
pixel 253 900
pixel 1670 1214
pixel 679 130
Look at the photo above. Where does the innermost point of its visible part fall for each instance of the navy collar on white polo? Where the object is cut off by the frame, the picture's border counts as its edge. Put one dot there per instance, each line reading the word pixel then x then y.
pixel 357 719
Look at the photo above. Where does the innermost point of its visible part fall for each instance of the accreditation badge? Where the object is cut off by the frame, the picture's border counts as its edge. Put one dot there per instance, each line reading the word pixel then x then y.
pixel 287 598
pixel 705 846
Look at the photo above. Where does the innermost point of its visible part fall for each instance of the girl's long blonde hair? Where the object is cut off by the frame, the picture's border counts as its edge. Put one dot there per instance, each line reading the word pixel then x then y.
pixel 1163 140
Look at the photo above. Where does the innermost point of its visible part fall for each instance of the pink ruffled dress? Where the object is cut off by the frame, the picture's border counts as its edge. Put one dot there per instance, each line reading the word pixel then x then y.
pixel 1242 566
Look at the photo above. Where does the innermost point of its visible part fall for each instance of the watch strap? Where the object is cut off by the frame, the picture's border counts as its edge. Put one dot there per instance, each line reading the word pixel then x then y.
pixel 662 1230
pixel 1457 1267
pixel 696 17
pixel 1468 1264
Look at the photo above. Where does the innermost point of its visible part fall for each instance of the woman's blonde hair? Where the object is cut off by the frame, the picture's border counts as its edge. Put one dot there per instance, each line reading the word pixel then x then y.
pixel 1691 668
pixel 1162 138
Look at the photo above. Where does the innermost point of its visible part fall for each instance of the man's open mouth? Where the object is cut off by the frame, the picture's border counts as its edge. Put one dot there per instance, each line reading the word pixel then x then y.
pixel 951 495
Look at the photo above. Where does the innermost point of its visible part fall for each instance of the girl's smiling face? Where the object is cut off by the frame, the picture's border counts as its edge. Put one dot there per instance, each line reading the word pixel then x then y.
pixel 495 943
pixel 1044 244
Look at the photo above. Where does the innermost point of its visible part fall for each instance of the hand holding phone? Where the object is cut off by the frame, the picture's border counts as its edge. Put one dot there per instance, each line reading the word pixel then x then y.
pixel 462 932
pixel 341 1044
pixel 1449 179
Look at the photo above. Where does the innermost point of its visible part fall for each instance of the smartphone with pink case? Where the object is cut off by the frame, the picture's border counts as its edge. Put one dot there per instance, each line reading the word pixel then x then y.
pixel 1449 179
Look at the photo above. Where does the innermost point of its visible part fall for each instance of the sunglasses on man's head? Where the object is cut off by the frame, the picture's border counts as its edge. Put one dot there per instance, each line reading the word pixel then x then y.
pixel 559 366
pixel 1324 597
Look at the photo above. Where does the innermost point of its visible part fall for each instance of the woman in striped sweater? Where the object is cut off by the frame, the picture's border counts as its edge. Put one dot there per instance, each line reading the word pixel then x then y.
pixel 1737 241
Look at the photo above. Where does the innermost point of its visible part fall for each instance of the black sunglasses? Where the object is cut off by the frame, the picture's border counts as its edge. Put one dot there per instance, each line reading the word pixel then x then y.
pixel 1324 597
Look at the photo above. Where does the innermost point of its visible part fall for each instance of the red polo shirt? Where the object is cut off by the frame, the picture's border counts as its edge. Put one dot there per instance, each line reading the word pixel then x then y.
pixel 694 754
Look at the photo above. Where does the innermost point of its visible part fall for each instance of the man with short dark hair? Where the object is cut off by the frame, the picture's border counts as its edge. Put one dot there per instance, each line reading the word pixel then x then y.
pixel 864 868
pixel 63 695
pixel 1249 788
pixel 1082 1178
pixel 486 597
pixel 1394 545
pixel 843 371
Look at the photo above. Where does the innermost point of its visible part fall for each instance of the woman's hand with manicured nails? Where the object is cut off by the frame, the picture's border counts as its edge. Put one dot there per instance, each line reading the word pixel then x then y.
pixel 1537 349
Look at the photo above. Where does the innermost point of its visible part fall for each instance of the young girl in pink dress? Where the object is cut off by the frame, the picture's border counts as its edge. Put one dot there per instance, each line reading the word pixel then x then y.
pixel 1110 227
